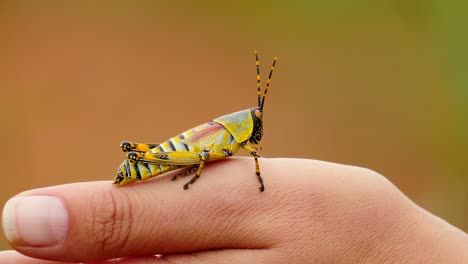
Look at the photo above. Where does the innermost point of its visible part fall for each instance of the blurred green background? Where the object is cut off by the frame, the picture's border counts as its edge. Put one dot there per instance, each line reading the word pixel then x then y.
pixel 379 84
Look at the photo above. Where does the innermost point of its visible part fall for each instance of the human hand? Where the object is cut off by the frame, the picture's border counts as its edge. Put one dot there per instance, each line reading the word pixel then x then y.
pixel 310 212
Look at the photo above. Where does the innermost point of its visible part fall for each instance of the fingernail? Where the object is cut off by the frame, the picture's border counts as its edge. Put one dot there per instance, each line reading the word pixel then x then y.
pixel 35 221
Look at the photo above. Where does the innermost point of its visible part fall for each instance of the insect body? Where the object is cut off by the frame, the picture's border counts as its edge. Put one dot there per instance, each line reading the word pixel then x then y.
pixel 211 141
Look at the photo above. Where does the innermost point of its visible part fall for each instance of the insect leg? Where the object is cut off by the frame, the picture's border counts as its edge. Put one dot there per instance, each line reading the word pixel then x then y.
pixel 254 153
pixel 176 157
pixel 179 158
pixel 205 155
pixel 139 147
pixel 192 169
pixel 134 156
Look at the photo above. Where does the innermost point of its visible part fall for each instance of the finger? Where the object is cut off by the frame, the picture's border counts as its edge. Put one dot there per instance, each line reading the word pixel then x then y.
pixel 97 220
pixel 11 256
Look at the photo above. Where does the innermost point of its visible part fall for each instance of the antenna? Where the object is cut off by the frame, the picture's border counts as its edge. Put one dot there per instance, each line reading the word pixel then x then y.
pixel 258 77
pixel 267 85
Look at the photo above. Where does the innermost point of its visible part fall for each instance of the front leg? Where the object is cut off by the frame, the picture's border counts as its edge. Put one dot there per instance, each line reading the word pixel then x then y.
pixel 254 153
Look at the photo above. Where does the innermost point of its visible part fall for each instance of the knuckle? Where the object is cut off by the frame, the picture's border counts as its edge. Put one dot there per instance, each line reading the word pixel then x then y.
pixel 367 173
pixel 374 176
pixel 370 173
pixel 111 220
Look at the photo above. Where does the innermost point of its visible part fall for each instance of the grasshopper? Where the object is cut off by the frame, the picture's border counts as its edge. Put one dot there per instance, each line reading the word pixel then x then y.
pixel 215 140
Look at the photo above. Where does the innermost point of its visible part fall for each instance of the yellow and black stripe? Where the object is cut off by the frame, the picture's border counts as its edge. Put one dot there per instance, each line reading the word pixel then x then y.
pixel 136 171
pixel 185 141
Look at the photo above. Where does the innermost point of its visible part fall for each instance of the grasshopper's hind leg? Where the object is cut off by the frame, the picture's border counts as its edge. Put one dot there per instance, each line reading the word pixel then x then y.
pixel 138 147
pixel 179 158
pixel 191 170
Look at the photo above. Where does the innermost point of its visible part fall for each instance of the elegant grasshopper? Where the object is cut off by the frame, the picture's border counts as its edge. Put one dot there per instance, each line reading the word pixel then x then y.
pixel 215 140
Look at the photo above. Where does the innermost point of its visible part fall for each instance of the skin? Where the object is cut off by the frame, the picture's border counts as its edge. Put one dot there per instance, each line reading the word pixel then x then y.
pixel 311 212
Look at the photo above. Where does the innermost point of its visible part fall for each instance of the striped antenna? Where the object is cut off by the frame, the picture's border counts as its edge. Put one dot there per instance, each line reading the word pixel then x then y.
pixel 268 83
pixel 258 77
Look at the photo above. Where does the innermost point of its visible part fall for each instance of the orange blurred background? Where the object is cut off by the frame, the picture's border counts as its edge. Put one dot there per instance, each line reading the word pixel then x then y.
pixel 380 84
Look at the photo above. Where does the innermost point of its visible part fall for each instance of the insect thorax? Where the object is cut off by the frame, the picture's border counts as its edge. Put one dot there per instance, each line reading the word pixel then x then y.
pixel 257 131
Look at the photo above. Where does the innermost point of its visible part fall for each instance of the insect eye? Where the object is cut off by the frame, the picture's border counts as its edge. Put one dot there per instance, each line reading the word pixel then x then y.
pixel 258 114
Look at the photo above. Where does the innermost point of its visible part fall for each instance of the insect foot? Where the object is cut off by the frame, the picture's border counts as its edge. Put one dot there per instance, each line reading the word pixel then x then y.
pixel 262 188
pixel 186 186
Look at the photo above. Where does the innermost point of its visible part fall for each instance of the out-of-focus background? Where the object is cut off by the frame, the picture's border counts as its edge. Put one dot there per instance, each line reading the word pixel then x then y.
pixel 379 84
